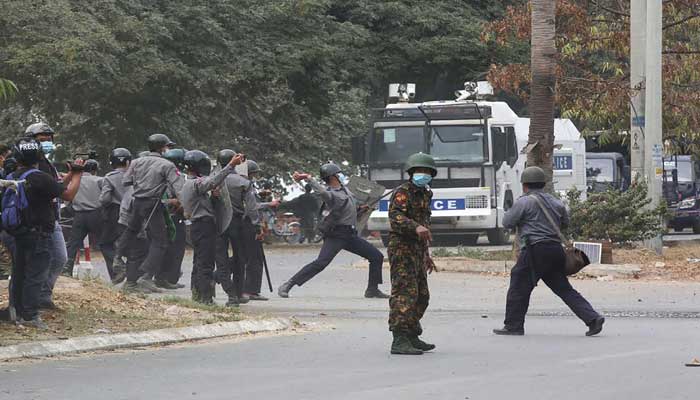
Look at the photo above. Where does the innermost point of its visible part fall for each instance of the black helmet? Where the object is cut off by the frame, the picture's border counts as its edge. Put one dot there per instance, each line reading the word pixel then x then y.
pixel 224 157
pixel 91 166
pixel 27 151
pixel 157 141
pixel 328 170
pixel 38 129
pixel 308 188
pixel 119 156
pixel 198 162
pixel 10 165
pixel 252 167
pixel 177 157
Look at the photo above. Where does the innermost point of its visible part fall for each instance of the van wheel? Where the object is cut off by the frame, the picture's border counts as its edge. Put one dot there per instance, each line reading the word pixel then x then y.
pixel 498 236
pixel 470 240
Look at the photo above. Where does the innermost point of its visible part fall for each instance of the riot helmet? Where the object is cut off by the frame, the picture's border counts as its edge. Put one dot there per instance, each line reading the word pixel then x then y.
pixel 421 160
pixel 198 162
pixel 177 157
pixel 158 141
pixel 27 151
pixel 119 157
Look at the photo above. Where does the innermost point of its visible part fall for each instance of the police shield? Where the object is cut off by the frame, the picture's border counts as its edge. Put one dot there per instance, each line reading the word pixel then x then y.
pixel 367 193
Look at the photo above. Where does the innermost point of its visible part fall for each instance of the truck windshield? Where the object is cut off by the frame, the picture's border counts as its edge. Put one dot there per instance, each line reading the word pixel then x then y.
pixel 599 170
pixel 395 144
pixel 457 143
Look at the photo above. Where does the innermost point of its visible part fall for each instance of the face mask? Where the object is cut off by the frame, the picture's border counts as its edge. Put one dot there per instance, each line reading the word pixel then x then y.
pixel 342 178
pixel 421 180
pixel 47 147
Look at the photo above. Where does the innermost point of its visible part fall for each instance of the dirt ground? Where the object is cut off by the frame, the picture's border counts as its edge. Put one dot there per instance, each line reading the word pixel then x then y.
pixel 88 308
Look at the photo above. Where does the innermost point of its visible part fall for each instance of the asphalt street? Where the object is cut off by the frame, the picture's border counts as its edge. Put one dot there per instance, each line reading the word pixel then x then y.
pixel 652 330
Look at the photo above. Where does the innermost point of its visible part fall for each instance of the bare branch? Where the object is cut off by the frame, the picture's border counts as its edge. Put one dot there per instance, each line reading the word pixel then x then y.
pixel 680 21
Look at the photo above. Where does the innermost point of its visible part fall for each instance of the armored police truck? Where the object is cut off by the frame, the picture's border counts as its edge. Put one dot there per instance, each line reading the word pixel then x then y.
pixel 475 147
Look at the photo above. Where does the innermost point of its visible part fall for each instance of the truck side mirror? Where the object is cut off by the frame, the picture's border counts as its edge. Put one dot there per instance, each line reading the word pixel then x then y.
pixel 358 150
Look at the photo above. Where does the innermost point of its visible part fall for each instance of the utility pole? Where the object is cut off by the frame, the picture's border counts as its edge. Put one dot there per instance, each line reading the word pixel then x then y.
pixel 653 147
pixel 638 22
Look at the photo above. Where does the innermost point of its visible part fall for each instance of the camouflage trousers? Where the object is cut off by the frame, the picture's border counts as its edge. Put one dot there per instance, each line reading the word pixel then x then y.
pixel 409 287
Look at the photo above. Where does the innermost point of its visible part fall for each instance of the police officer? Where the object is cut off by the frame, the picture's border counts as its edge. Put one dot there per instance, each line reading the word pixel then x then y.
pixel 230 272
pixel 87 213
pixel 171 270
pixel 151 175
pixel 253 236
pixel 34 241
pixel 44 135
pixel 111 198
pixel 199 210
pixel 541 256
pixel 409 256
pixel 339 232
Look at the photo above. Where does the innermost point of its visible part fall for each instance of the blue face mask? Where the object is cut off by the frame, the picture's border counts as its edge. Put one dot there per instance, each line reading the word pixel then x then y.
pixel 421 180
pixel 47 147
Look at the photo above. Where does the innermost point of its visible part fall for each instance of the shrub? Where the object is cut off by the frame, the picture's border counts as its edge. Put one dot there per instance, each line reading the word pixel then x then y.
pixel 620 217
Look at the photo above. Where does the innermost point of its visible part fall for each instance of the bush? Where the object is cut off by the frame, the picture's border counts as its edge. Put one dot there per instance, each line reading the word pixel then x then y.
pixel 620 217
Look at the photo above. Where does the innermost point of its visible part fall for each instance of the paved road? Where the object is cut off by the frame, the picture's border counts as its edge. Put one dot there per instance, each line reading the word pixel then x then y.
pixel 652 329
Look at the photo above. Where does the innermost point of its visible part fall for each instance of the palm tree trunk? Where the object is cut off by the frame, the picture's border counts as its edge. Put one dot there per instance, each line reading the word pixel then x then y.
pixel 543 64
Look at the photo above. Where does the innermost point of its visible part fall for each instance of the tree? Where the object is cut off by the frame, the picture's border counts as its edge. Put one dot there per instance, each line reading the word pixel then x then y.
pixel 593 88
pixel 543 63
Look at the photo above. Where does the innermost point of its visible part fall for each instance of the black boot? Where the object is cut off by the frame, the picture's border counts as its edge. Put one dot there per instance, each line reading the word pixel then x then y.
pixel 595 327
pixel 402 345
pixel 506 331
pixel 373 292
pixel 283 290
pixel 419 344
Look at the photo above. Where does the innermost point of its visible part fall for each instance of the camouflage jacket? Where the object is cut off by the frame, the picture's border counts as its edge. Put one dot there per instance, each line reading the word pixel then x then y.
pixel 409 208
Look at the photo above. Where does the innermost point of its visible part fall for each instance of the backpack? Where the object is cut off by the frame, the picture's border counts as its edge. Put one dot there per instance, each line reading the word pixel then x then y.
pixel 15 206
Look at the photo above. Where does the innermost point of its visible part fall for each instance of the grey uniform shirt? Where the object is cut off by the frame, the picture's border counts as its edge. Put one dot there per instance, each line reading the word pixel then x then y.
pixel 88 196
pixel 237 186
pixel 339 201
pixel 253 206
pixel 125 206
pixel 195 196
pixel 149 175
pixel 533 226
pixel 113 187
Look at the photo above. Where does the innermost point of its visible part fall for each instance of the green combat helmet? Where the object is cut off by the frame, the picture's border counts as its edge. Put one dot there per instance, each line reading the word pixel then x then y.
pixel 533 175
pixel 421 160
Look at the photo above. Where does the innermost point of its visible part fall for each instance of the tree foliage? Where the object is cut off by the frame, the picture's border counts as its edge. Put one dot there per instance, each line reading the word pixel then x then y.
pixel 620 217
pixel 286 81
pixel 593 64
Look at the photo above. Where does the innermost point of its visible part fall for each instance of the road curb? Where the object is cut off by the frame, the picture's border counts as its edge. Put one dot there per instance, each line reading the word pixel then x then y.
pixel 138 339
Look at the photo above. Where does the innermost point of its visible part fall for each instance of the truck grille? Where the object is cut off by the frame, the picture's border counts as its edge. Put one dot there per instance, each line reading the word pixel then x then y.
pixel 477 201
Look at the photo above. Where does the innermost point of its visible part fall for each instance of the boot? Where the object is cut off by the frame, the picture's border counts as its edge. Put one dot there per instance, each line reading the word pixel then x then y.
pixel 119 276
pixel 595 327
pixel 195 294
pixel 283 290
pixel 163 284
pixel 134 288
pixel 419 344
pixel 402 345
pixel 373 292
pixel 35 322
pixel 507 331
pixel 233 302
pixel 206 293
pixel 68 269
pixel 146 283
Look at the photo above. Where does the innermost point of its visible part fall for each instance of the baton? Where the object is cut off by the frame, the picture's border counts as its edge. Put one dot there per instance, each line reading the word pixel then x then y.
pixel 267 271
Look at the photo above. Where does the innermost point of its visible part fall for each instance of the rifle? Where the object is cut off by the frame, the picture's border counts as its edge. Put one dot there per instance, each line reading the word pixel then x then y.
pixel 142 232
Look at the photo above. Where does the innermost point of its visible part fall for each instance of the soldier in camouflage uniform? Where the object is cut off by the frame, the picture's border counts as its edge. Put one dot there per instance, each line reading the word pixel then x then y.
pixel 409 256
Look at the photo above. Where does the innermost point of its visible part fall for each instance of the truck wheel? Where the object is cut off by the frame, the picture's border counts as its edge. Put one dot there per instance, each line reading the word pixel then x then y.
pixel 498 236
pixel 678 229
pixel 696 226
pixel 470 240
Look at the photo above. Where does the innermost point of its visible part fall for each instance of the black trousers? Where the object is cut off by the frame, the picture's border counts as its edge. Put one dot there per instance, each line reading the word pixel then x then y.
pixel 203 233
pixel 30 270
pixel 254 259
pixel 156 232
pixel 343 238
pixel 171 270
pixel 111 231
pixel 230 271
pixel 84 223
pixel 136 250
pixel 542 261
